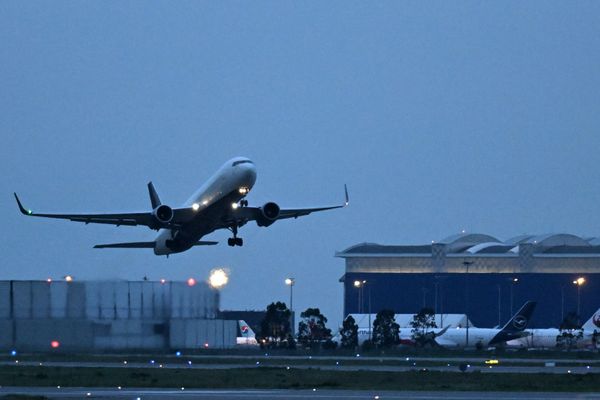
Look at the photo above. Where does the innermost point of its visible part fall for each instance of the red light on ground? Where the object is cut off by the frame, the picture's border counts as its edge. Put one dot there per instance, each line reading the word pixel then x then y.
pixel 191 282
pixel 206 345
pixel 163 281
pixel 55 344
pixel 49 280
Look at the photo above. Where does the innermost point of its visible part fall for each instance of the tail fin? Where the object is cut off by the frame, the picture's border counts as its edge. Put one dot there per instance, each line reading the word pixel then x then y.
pixel 593 322
pixel 154 199
pixel 516 325
pixel 247 336
pixel 245 330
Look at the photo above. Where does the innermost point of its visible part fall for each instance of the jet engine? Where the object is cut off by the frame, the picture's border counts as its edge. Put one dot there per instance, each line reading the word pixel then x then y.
pixel 163 214
pixel 268 214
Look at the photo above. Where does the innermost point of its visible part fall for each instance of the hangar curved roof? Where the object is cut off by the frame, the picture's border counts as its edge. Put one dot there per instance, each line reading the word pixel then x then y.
pixel 482 244
pixel 471 238
pixel 594 241
pixel 518 239
pixel 561 239
pixel 489 247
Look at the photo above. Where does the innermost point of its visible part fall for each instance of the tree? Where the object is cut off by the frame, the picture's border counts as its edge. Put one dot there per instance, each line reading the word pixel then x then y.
pixel 386 332
pixel 275 326
pixel 421 324
pixel 311 329
pixel 570 331
pixel 568 338
pixel 349 333
pixel 571 321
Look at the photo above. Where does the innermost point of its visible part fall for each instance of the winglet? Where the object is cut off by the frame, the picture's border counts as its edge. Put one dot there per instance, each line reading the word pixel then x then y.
pixel 24 211
pixel 346 192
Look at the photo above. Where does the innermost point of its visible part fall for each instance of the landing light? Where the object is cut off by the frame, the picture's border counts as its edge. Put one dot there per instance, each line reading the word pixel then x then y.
pixel 195 206
pixel 243 190
pixel 218 278
pixel 234 206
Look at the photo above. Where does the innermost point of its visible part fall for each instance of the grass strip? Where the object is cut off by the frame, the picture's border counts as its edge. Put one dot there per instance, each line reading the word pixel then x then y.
pixel 282 378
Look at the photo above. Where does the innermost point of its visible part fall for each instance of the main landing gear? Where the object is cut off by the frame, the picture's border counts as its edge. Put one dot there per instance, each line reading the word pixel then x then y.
pixel 235 241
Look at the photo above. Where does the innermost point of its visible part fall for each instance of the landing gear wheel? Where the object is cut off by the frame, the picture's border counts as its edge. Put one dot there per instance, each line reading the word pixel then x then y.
pixel 244 203
pixel 236 241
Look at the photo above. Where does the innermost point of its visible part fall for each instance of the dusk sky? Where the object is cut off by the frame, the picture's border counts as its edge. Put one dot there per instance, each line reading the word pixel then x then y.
pixel 439 116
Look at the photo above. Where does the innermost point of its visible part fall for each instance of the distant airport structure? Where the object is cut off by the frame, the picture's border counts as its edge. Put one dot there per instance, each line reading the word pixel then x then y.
pixel 70 315
pixel 478 275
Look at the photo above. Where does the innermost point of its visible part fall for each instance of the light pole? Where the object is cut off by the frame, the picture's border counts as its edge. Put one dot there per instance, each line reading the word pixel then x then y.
pixel 360 286
pixel 499 305
pixel 579 282
pixel 466 264
pixel 513 282
pixel 438 280
pixel 290 282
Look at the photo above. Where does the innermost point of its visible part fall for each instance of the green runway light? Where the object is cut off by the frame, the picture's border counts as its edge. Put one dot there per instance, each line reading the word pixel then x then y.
pixel 29 212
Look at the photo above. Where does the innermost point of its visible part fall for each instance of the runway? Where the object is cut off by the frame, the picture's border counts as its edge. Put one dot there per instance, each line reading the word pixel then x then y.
pixel 167 394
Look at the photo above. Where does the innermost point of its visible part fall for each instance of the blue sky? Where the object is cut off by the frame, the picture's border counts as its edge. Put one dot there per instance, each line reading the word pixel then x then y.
pixel 440 116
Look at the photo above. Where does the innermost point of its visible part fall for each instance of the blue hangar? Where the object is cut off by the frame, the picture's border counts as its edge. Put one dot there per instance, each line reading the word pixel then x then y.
pixel 477 274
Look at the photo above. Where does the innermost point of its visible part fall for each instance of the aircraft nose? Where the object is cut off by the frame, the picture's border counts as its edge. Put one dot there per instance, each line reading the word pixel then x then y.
pixel 251 173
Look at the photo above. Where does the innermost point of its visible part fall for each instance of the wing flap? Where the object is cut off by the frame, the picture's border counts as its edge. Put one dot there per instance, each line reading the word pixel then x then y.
pixel 130 245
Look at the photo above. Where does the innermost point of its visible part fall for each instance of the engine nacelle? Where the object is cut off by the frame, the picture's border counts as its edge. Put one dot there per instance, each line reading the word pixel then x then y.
pixel 163 214
pixel 269 213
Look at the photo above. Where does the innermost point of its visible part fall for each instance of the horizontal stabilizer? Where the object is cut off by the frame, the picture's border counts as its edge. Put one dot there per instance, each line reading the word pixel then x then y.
pixel 130 245
pixel 204 243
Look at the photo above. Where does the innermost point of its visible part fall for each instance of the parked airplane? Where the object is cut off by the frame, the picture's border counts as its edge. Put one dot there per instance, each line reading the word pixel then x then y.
pixel 547 338
pixel 406 339
pixel 246 336
pixel 488 337
pixel 218 204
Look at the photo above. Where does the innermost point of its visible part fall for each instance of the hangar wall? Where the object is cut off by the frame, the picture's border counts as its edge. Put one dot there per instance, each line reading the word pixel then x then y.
pixel 111 315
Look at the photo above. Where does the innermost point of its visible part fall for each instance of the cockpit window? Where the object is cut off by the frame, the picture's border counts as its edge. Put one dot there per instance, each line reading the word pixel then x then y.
pixel 241 162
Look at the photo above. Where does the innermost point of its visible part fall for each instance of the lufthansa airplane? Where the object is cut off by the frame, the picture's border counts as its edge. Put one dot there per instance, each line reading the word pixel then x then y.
pixel 489 337
pixel 218 204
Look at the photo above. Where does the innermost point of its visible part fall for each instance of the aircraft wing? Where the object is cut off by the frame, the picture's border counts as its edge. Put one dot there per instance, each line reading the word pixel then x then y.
pixel 246 214
pixel 180 216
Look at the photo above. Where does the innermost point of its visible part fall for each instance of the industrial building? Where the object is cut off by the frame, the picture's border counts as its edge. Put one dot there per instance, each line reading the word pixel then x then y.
pixel 477 275
pixel 111 315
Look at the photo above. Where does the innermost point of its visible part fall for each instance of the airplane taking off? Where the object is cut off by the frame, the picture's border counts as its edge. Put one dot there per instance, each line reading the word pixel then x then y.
pixel 218 204
pixel 489 337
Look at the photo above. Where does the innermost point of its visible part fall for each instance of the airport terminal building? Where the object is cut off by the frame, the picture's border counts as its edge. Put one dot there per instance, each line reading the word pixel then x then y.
pixel 479 275
pixel 111 315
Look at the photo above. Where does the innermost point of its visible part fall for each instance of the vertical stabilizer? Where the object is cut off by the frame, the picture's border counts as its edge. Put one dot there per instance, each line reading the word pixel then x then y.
pixel 593 323
pixel 516 325
pixel 154 199
pixel 246 335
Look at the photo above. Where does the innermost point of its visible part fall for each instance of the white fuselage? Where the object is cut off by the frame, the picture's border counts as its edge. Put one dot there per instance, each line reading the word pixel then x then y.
pixel 457 337
pixel 546 338
pixel 226 187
